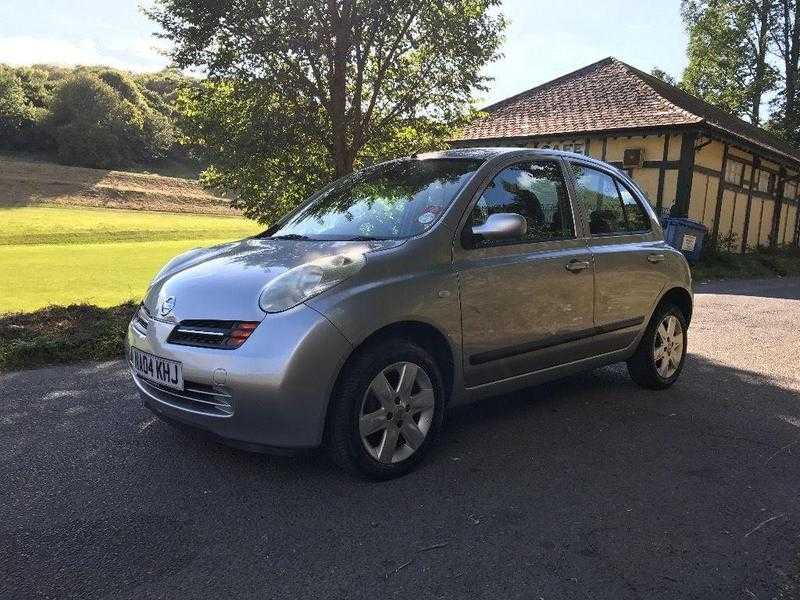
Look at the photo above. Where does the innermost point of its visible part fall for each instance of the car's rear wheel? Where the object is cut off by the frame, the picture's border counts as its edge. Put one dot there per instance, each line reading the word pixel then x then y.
pixel 386 411
pixel 661 353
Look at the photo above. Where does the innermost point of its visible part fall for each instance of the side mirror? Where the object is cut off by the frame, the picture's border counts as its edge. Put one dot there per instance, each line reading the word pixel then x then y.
pixel 502 226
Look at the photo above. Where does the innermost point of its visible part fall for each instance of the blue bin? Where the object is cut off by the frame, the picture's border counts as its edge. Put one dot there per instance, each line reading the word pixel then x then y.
pixel 685 235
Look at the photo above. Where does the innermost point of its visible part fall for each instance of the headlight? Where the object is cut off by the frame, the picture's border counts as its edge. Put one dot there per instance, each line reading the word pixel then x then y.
pixel 307 280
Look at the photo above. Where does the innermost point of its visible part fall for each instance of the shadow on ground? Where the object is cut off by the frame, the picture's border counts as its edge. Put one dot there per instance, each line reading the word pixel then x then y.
pixel 585 488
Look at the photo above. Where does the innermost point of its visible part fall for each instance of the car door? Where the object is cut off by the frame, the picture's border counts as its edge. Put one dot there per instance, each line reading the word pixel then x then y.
pixel 523 300
pixel 625 247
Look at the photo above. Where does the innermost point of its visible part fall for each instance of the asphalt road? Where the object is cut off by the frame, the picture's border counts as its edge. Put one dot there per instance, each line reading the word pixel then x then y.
pixel 586 488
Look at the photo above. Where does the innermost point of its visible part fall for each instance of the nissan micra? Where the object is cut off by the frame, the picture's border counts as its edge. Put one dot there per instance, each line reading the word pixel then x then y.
pixel 408 287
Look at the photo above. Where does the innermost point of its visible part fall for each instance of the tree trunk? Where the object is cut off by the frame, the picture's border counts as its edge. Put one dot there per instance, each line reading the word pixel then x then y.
pixel 791 59
pixel 761 61
pixel 341 27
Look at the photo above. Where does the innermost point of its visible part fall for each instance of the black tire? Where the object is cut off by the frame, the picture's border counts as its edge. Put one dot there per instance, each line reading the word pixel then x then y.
pixel 343 438
pixel 642 365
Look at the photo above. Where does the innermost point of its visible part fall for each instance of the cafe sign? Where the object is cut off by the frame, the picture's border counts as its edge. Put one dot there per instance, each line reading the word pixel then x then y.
pixel 577 146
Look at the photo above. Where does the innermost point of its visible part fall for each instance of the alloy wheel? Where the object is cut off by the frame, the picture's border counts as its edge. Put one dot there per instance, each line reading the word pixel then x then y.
pixel 668 346
pixel 396 412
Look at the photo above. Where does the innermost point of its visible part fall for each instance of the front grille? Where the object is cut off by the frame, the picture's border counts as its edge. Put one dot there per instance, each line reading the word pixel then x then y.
pixel 211 334
pixel 197 397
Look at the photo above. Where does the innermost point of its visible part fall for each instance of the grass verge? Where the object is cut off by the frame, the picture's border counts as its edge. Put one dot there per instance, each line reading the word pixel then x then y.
pixel 42 225
pixel 63 334
pixel 37 276
pixel 101 257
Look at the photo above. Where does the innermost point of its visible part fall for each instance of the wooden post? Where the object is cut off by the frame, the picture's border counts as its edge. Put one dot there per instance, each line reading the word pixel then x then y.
pixel 777 207
pixel 720 192
pixel 661 174
pixel 796 222
pixel 685 172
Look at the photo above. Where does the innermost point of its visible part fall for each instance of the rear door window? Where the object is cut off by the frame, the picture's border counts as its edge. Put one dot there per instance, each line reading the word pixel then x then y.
pixel 610 207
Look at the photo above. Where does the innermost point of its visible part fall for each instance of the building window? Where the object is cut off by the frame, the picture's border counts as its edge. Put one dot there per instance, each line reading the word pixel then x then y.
pixel 764 181
pixel 790 191
pixel 733 172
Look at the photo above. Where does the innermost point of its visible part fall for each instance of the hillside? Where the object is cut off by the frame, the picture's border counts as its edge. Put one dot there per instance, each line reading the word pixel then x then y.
pixel 26 183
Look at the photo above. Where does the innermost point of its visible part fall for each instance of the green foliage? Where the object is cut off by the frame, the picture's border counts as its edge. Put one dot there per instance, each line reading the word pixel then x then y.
pixel 663 76
pixel 101 119
pixel 729 264
pixel 274 160
pixel 785 117
pixel 302 92
pixel 254 145
pixel 39 81
pixel 162 88
pixel 93 125
pixel 16 113
pixel 725 243
pixel 62 334
pixel 90 116
pixel 729 47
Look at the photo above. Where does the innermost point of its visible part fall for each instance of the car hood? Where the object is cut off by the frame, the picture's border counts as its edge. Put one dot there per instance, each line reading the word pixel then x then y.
pixel 224 282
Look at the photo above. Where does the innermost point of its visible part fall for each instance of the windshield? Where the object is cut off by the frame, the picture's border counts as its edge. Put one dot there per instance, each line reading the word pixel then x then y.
pixel 394 200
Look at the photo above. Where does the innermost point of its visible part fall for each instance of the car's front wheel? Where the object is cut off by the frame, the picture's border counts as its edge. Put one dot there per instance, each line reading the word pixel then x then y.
pixel 659 358
pixel 387 410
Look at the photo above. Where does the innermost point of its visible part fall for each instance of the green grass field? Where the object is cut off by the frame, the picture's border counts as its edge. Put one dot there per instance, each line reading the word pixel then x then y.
pixel 61 256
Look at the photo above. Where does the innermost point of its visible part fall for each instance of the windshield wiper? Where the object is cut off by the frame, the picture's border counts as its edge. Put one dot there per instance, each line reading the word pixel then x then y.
pixel 290 236
pixel 366 238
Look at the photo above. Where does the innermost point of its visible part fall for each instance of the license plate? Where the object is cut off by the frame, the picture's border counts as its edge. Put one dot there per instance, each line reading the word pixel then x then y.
pixel 156 369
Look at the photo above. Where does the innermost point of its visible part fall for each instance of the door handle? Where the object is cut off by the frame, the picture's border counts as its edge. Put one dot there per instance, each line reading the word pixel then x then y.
pixel 655 258
pixel 576 266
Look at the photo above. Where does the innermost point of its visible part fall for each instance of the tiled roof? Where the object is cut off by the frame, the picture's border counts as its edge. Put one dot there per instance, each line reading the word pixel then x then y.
pixel 606 96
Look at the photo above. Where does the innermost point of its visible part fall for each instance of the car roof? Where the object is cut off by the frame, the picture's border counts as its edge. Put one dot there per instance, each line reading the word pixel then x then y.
pixel 492 152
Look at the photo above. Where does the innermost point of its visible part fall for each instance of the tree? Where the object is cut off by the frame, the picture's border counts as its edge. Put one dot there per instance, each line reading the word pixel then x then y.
pixel 98 118
pixel 16 113
pixel 92 125
pixel 335 79
pixel 786 39
pixel 663 76
pixel 274 159
pixel 270 157
pixel 729 48
pixel 157 135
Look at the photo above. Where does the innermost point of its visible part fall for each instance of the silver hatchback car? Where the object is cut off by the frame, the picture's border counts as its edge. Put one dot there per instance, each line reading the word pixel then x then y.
pixel 408 287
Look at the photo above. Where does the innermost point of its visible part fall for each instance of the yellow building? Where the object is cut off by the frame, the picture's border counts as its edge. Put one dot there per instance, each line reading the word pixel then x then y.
pixel 690 158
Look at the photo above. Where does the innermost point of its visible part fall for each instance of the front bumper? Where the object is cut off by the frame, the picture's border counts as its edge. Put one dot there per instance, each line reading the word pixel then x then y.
pixel 273 391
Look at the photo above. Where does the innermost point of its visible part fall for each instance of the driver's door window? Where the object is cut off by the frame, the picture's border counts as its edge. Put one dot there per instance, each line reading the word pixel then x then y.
pixel 535 190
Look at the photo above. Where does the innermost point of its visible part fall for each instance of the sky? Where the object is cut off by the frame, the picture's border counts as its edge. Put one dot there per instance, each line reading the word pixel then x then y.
pixel 544 39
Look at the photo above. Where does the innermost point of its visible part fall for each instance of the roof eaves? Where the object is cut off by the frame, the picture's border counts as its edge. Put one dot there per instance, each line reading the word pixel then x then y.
pixel 584 132
pixel 746 142
pixel 772 143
